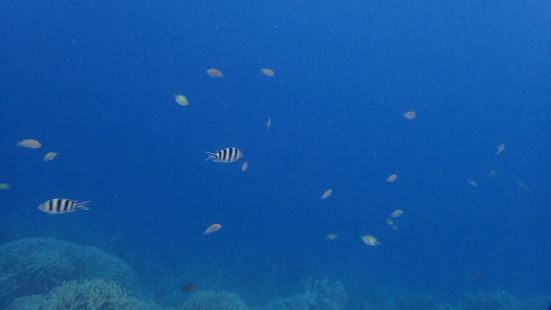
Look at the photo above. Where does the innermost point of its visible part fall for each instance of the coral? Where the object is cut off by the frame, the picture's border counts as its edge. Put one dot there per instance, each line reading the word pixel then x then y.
pixel 538 302
pixel 318 295
pixel 33 266
pixel 499 300
pixel 366 294
pixel 94 262
pixel 215 300
pixel 296 302
pixel 93 294
pixel 30 302
pixel 445 307
pixel 416 301
pixel 7 291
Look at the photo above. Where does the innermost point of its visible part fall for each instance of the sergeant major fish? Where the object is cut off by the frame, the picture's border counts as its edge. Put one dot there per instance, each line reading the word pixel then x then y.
pixel 62 205
pixel 227 155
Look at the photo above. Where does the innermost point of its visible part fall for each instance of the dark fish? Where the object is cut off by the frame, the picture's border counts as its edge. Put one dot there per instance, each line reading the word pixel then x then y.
pixel 189 287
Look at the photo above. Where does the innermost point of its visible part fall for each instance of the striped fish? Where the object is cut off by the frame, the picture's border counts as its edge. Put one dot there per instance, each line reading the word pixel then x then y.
pixel 61 205
pixel 227 155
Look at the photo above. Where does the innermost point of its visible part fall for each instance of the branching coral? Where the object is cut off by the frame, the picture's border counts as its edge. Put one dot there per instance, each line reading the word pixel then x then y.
pixel 538 302
pixel 416 301
pixel 499 300
pixel 95 262
pixel 30 302
pixel 216 300
pixel 93 294
pixel 318 295
pixel 7 291
pixel 37 265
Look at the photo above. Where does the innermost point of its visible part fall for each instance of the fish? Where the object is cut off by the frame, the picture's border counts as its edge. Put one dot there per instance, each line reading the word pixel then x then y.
pixel 392 178
pixel 181 100
pixel 267 72
pixel 215 73
pixel 410 115
pixel 492 174
pixel 326 194
pixel 389 222
pixel 331 236
pixel 50 156
pixel 523 186
pixel 227 155
pixel 4 186
pixel 30 144
pixel 268 124
pixel 471 182
pixel 370 240
pixel 212 228
pixel 189 287
pixel 500 148
pixel 62 205
pixel 245 166
pixel 396 213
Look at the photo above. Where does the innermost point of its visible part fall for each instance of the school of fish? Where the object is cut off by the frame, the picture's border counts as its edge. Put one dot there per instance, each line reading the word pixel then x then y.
pixel 229 155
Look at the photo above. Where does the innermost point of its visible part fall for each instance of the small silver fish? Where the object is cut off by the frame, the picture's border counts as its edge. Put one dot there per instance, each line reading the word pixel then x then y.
pixel 62 205
pixel 500 148
pixel 471 182
pixel 523 186
pixel 268 124
pixel 227 155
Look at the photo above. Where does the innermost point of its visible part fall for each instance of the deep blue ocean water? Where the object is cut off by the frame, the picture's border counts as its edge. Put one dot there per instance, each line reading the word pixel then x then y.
pixel 95 80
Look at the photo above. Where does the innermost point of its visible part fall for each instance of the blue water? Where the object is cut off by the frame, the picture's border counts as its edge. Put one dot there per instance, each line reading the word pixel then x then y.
pixel 95 80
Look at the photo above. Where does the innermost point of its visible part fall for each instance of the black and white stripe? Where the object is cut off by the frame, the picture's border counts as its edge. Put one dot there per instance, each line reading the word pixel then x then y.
pixel 62 205
pixel 227 155
pixel 58 205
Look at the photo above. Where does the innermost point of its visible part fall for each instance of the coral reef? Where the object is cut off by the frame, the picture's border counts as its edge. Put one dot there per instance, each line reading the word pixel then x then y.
pixel 318 295
pixel 499 300
pixel 91 294
pixel 215 300
pixel 445 307
pixel 30 302
pixel 538 302
pixel 7 290
pixel 71 276
pixel 416 301
pixel 34 266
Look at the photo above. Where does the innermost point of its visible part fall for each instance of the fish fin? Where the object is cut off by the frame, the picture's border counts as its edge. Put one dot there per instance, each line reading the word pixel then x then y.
pixel 210 156
pixel 83 205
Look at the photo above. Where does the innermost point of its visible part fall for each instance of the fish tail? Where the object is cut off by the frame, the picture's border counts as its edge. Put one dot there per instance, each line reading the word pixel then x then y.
pixel 210 156
pixel 83 205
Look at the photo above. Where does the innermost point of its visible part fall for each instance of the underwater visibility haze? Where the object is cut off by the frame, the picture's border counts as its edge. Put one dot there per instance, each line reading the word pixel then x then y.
pixel 313 155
